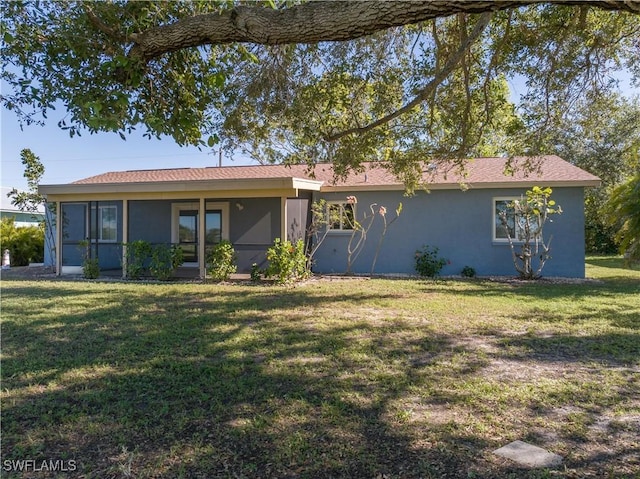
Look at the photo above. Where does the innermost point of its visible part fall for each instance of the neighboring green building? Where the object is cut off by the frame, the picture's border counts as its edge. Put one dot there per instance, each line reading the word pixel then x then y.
pixel 22 218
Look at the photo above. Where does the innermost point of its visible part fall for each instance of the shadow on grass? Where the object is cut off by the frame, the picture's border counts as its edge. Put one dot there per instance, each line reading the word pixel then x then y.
pixel 163 382
pixel 192 387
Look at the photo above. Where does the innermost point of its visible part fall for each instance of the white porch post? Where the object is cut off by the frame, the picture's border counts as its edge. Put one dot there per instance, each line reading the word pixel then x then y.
pixel 202 237
pixel 58 239
pixel 283 218
pixel 125 235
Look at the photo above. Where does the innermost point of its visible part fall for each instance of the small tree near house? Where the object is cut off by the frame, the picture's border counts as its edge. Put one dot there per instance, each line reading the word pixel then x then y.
pixel 29 201
pixel 524 222
pixel 323 217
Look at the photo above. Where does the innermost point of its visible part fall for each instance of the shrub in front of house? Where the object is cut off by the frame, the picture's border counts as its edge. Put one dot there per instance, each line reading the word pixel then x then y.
pixel 165 260
pixel 90 266
pixel 221 261
pixel 468 272
pixel 256 273
pixel 138 253
pixel 428 263
pixel 287 262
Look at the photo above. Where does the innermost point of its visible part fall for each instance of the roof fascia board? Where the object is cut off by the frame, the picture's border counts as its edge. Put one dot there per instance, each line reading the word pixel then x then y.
pixel 181 186
pixel 173 195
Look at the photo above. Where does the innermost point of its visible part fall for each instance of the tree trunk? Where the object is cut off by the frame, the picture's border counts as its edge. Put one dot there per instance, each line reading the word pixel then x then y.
pixel 318 21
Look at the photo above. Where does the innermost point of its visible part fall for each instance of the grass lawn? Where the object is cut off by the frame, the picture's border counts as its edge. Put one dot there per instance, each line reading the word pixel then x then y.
pixel 347 378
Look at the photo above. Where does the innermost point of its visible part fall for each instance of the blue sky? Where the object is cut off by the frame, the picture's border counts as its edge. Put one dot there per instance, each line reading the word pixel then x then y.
pixel 68 159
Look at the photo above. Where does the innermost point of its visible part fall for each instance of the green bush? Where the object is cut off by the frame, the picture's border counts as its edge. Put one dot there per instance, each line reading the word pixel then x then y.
pixel 138 253
pixel 428 263
pixel 287 262
pixel 256 272
pixel 468 272
pixel 221 261
pixel 90 268
pixel 26 244
pixel 165 260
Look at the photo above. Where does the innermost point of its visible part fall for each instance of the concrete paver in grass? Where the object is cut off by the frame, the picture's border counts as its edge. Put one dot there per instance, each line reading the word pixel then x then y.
pixel 529 455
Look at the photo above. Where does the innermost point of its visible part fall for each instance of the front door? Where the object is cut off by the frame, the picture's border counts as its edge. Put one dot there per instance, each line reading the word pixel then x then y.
pixel 186 228
pixel 188 235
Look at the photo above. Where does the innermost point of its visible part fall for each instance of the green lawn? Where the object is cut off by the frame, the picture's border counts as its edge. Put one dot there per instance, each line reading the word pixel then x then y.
pixel 345 378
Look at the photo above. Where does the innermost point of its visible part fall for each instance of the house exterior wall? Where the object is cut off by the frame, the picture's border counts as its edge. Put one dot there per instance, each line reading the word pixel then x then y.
pixel 460 224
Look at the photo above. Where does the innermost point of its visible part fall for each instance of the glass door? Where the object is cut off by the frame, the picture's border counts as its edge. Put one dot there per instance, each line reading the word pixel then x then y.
pixel 188 235
pixel 213 225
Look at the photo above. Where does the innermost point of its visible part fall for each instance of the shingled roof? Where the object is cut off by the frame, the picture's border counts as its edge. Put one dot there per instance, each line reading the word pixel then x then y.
pixel 480 173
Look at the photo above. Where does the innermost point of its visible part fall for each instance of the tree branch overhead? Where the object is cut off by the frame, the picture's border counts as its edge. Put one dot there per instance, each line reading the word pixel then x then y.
pixel 318 21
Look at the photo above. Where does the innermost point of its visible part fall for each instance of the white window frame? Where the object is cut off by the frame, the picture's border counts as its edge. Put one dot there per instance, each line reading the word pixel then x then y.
pixel 175 219
pixel 99 211
pixel 495 225
pixel 341 204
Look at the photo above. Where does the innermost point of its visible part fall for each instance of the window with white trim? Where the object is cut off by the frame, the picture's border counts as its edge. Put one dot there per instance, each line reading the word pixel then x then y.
pixel 515 222
pixel 341 215
pixel 106 227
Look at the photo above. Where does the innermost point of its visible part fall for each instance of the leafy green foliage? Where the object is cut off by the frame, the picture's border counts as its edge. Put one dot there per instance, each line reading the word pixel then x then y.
pixel 165 260
pixel 90 265
pixel 33 172
pixel 65 53
pixel 90 268
pixel 603 137
pixel 406 96
pixel 623 211
pixel 26 244
pixel 287 261
pixel 31 199
pixel 138 253
pixel 468 272
pixel 256 273
pixel 428 263
pixel 221 261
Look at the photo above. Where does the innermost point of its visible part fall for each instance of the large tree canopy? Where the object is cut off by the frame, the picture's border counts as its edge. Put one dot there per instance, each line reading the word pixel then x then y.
pixel 402 82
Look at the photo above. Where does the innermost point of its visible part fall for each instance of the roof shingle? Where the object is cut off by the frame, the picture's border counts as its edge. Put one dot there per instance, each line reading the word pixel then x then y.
pixel 479 171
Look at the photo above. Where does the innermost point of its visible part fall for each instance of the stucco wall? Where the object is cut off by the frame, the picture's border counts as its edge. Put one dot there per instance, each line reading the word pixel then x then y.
pixel 460 224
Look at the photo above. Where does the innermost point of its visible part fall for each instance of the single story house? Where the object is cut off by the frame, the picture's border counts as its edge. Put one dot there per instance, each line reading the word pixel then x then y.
pixel 251 206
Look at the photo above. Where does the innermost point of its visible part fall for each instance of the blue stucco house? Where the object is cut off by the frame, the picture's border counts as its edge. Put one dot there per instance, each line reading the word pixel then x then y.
pixel 251 206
